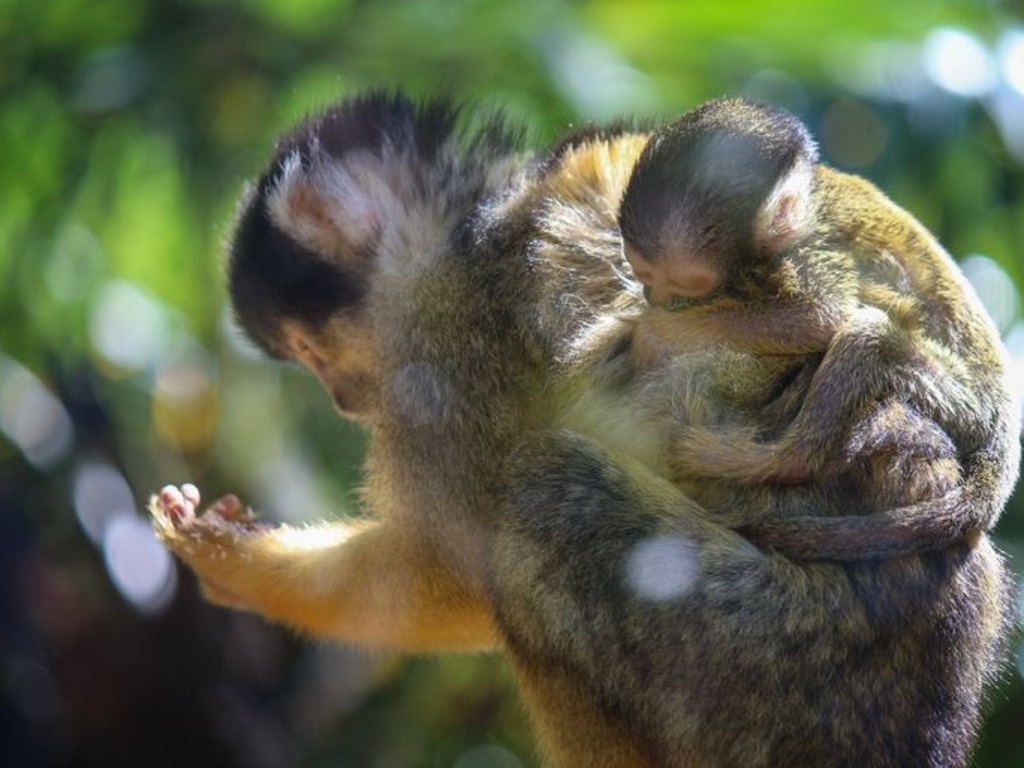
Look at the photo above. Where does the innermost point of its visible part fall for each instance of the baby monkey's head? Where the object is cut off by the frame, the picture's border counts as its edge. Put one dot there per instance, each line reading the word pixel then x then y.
pixel 729 184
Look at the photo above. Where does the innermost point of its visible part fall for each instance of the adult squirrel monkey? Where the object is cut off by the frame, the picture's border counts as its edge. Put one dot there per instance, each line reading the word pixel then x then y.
pixel 466 302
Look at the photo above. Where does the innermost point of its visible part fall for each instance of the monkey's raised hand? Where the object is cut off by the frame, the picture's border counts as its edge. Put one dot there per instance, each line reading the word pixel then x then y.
pixel 206 540
pixel 359 581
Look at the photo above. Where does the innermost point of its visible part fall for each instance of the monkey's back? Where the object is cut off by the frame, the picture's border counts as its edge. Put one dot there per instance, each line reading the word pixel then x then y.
pixel 750 659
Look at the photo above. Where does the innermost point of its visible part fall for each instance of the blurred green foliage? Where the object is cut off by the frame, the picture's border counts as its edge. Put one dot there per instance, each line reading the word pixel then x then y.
pixel 127 128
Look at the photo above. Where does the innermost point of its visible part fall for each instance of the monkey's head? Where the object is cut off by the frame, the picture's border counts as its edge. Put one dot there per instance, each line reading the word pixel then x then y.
pixel 346 193
pixel 727 186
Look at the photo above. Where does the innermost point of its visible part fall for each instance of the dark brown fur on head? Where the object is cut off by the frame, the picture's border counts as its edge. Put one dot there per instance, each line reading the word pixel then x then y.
pixel 700 182
pixel 273 276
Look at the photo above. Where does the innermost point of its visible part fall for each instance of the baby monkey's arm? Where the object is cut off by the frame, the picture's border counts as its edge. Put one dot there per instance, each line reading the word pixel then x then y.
pixel 779 328
pixel 869 362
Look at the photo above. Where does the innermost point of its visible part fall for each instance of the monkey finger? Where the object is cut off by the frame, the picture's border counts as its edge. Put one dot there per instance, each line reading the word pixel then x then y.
pixel 176 504
pixel 191 493
pixel 228 506
pixel 229 509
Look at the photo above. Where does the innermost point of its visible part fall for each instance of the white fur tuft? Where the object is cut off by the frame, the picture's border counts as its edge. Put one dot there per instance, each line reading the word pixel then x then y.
pixel 787 215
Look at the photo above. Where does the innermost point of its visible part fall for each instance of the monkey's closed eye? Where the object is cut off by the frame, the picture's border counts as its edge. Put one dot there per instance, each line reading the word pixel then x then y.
pixel 679 303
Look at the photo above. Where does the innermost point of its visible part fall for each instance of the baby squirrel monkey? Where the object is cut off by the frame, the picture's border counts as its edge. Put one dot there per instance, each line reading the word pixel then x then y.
pixel 438 284
pixel 904 426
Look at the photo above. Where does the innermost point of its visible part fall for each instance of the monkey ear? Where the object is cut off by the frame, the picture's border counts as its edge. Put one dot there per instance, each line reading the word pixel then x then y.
pixel 334 206
pixel 787 215
pixel 344 176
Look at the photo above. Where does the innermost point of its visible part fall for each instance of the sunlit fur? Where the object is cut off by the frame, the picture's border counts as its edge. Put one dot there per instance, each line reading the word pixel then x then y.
pixel 905 430
pixel 510 503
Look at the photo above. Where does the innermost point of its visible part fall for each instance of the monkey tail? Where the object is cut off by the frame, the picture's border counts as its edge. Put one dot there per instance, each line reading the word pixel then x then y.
pixel 960 516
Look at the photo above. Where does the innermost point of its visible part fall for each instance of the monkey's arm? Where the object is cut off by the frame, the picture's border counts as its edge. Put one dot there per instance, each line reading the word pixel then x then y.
pixel 776 328
pixel 868 362
pixel 895 412
pixel 363 582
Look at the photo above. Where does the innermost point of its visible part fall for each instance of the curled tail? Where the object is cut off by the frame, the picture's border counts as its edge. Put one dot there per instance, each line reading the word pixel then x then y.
pixel 961 515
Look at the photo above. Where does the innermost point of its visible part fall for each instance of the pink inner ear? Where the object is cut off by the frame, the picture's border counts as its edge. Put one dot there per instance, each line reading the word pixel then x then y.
pixel 783 227
pixel 781 222
pixel 306 210
pixel 307 206
pixel 787 215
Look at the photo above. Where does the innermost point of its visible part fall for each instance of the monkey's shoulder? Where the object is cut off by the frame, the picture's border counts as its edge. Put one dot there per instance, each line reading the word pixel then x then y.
pixel 861 216
pixel 593 172
pixel 574 247
pixel 901 266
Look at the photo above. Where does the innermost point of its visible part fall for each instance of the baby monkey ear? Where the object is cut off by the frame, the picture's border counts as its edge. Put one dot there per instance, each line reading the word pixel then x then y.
pixel 787 215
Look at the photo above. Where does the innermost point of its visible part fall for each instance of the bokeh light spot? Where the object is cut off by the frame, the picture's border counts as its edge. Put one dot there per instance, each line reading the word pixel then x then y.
pixel 663 567
pixel 75 264
pixel 1011 59
pixel 127 327
pixel 287 485
pixel 1015 346
pixel 995 288
pixel 138 566
pixel 32 417
pixel 592 75
pixel 852 134
pixel 100 493
pixel 889 70
pixel 957 62
pixel 185 404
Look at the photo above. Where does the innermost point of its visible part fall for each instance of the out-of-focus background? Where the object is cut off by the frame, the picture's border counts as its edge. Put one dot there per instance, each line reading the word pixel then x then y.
pixel 126 130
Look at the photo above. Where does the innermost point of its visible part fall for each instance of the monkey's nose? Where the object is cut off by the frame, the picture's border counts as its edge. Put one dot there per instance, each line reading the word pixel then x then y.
pixel 690 281
pixel 680 284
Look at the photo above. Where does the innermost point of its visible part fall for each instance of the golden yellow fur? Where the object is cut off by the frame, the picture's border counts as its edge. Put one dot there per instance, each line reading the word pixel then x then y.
pixel 516 483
